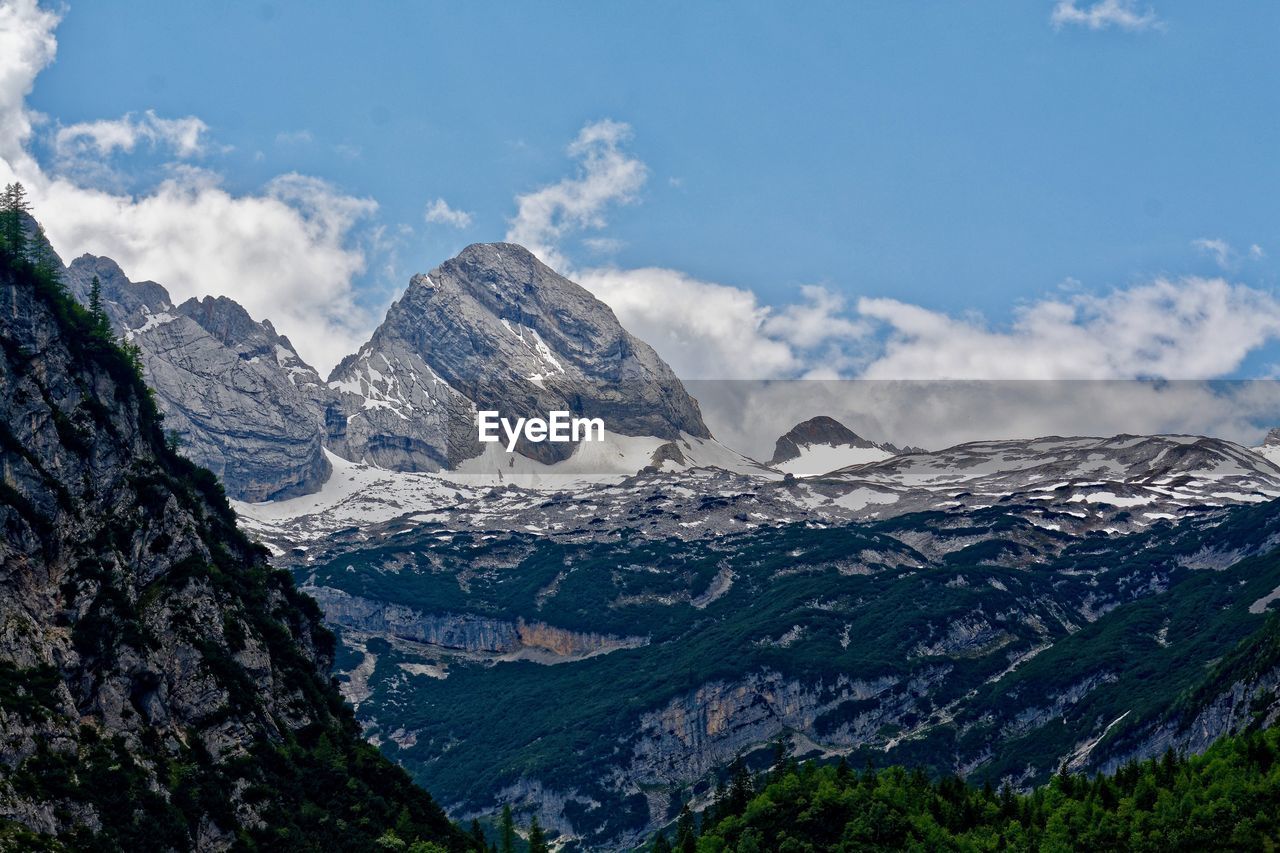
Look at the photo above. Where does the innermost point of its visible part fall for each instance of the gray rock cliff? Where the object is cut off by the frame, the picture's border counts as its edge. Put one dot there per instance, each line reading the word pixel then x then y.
pixel 161 687
pixel 236 393
pixel 495 328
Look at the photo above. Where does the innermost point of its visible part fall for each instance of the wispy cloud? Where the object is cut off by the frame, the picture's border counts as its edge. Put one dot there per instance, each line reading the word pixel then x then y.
pixel 1189 328
pixel 1224 254
pixel 439 212
pixel 606 176
pixel 184 137
pixel 294 137
pixel 1217 248
pixel 1105 14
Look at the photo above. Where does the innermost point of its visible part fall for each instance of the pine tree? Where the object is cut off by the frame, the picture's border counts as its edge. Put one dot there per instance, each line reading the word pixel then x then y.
pixel 42 255
pixel 477 835
pixel 686 831
pixel 661 844
pixel 508 831
pixel 97 313
pixel 537 841
pixel 14 209
pixel 741 789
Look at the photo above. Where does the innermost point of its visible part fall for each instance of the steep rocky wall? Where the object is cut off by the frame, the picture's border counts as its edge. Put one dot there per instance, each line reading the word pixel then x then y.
pixel 149 658
pixel 462 632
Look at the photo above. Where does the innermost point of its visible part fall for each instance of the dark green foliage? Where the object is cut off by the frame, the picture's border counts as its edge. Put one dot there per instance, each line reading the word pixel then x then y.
pixel 575 720
pixel 29 693
pixel 507 831
pixel 686 832
pixel 1225 799
pixel 537 840
pixel 98 314
pixel 330 790
pixel 14 209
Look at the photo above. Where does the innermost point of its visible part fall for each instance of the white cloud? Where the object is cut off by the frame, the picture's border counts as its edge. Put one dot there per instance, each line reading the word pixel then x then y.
pixel 1256 252
pixel 27 45
pixel 1217 248
pixel 1104 14
pixel 440 213
pixel 283 255
pixel 1187 329
pixel 287 253
pixel 184 136
pixel 606 176
pixel 749 416
pixel 703 330
pixel 603 245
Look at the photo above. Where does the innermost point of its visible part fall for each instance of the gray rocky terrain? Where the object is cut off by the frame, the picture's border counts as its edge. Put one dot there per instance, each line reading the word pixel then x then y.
pixel 236 395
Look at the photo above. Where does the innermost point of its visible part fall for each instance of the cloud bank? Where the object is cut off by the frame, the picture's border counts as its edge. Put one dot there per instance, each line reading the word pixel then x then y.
pixel 290 252
pixel 1184 328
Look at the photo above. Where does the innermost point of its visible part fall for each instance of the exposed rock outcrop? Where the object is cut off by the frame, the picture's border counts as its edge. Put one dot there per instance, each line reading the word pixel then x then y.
pixel 495 328
pixel 821 430
pixel 463 632
pixel 239 399
pixel 152 667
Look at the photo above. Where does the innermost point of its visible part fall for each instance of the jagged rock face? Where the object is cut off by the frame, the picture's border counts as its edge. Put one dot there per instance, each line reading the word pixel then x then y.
pixel 494 328
pixel 1272 439
pixel 240 399
pixel 148 656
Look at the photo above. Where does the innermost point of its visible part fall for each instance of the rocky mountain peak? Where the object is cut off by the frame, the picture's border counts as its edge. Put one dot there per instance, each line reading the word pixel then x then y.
pixel 1272 439
pixel 495 328
pixel 821 430
pixel 125 299
pixel 235 393
pixel 821 445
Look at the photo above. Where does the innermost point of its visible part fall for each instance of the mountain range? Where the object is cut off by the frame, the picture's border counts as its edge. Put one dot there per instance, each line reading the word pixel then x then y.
pixel 594 634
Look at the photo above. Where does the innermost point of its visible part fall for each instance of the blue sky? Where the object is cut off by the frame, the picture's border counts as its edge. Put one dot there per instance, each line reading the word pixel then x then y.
pixel 956 158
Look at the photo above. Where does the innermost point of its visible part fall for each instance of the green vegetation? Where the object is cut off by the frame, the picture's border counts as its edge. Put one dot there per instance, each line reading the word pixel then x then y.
pixel 1224 799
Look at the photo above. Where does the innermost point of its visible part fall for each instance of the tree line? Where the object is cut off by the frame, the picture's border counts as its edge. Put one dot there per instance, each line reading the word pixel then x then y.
pixel 1227 798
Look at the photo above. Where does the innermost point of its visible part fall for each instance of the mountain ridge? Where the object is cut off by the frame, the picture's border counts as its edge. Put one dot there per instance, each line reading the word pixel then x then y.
pixel 161 686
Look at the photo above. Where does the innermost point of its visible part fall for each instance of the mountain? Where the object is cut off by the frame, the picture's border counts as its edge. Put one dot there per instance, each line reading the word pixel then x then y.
pixel 496 329
pixel 1055 488
pixel 161 686
pixel 598 647
pixel 492 329
pixel 823 444
pixel 988 610
pixel 236 394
